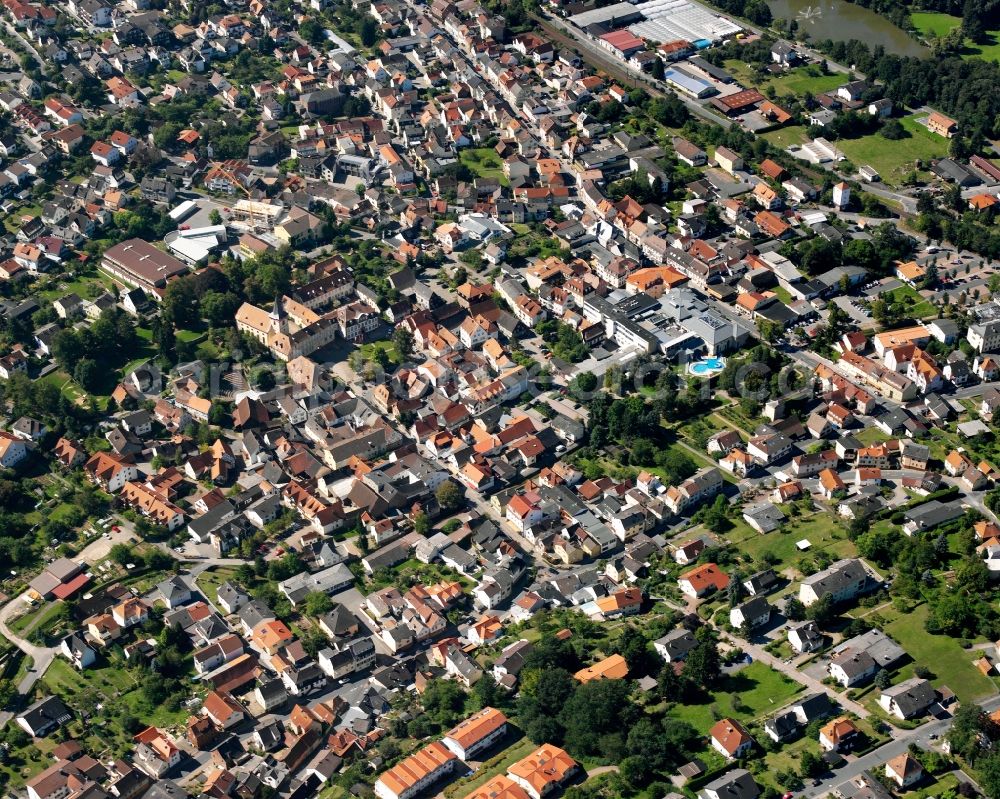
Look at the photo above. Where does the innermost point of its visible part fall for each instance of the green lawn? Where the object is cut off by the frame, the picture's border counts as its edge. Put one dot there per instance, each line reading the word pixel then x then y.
pixel 65 384
pixel 61 678
pixel 951 664
pixel 916 305
pixel 208 581
pixel 498 764
pixel 802 80
pixel 870 435
pixel 806 80
pixel 37 618
pixel 821 529
pixel 931 23
pixel 752 693
pixel 485 163
pixel 782 294
pixel 108 682
pixel 787 759
pixel 190 336
pixel 371 348
pixel 787 136
pixel 894 160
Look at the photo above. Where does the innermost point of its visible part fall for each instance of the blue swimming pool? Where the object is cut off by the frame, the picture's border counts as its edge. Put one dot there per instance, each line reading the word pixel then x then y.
pixel 707 366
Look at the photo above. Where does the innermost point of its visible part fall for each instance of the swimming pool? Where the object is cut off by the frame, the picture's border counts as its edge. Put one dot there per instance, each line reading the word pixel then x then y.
pixel 707 366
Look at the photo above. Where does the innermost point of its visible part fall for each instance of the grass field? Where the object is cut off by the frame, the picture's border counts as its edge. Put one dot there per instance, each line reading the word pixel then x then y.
pixel 870 435
pixel 753 692
pixel 916 305
pixel 36 618
pixel 820 529
pixel 803 80
pixel 369 350
pixel 932 25
pixel 485 163
pixel 490 768
pixel 787 136
pixel 894 160
pixel 208 581
pixel 63 679
pixel 951 664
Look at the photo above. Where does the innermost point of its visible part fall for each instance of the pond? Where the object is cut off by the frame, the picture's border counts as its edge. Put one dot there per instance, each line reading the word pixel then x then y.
pixel 840 20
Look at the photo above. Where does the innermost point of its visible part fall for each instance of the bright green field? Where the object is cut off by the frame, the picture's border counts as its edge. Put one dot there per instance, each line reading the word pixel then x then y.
pixel 208 581
pixel 485 163
pixel 753 692
pixel 802 82
pixel 821 529
pixel 916 305
pixel 951 664
pixel 932 25
pixel 786 137
pixel 893 160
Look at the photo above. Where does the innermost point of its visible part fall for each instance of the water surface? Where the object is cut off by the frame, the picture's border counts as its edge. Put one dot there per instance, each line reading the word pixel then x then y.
pixel 840 20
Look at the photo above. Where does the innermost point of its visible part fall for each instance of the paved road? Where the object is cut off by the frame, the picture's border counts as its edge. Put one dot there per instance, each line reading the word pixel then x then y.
pixel 41 655
pixel 873 760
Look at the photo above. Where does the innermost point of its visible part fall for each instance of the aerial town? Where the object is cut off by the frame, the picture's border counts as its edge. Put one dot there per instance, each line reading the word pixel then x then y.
pixel 499 400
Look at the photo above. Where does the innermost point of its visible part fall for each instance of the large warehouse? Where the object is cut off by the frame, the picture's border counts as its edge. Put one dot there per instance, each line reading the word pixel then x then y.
pixel 669 20
pixel 659 21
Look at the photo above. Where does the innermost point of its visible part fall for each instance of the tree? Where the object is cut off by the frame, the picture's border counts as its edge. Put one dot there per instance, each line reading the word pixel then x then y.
pixel 969 722
pixel 486 691
pixel 596 710
pixel 703 666
pixel 215 217
pixel 636 771
pixel 121 554
pixel 715 516
pixel 368 32
pixel 218 307
pixel 810 764
pixel 893 130
pixel 421 523
pixel 402 339
pixel 585 383
pixel 822 611
pixel 632 646
pixel 87 373
pixel 318 603
pixel 449 496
